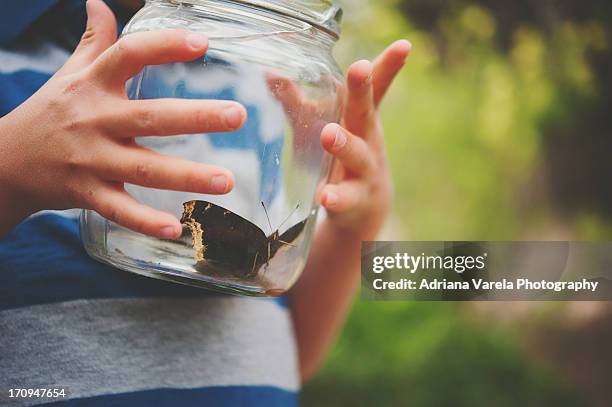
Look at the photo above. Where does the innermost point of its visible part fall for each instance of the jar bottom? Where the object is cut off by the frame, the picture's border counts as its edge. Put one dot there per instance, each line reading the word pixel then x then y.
pixel 190 279
pixel 173 261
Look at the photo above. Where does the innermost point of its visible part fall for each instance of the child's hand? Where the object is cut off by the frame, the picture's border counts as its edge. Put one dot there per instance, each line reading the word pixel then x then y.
pixel 71 145
pixel 357 200
pixel 358 196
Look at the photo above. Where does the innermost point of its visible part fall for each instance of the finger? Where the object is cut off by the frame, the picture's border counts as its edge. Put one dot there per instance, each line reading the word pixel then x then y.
pixel 140 166
pixel 387 66
pixel 359 111
pixel 351 151
pixel 116 205
pixel 132 52
pixel 168 117
pixel 100 33
pixel 342 197
pixel 285 91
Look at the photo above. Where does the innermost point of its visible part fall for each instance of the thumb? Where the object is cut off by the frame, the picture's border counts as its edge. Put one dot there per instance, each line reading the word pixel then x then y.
pixel 101 33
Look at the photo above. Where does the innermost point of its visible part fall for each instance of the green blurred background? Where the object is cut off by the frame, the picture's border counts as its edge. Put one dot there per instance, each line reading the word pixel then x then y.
pixel 497 129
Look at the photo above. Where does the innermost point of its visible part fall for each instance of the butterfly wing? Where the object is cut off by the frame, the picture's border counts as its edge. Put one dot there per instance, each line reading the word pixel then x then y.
pixel 286 239
pixel 223 238
pixel 293 232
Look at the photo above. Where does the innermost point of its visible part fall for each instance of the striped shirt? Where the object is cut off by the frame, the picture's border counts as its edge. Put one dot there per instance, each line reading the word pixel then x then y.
pixel 106 336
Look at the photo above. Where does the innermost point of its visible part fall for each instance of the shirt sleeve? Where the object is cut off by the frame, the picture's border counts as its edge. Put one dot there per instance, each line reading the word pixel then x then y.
pixel 17 15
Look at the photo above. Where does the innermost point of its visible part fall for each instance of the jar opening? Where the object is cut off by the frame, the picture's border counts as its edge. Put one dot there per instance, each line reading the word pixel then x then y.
pixel 323 14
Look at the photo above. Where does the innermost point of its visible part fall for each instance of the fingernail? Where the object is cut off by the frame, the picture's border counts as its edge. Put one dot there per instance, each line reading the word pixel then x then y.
pixel 169 232
pixel 233 117
pixel 340 140
pixel 406 43
pixel 87 6
pixel 331 199
pixel 219 183
pixel 197 41
pixel 408 46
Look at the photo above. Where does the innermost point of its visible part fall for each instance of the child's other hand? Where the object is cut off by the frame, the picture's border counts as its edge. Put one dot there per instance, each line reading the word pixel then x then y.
pixel 358 196
pixel 71 145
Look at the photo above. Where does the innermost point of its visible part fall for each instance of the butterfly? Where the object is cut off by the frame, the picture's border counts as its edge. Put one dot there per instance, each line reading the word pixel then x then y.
pixel 222 238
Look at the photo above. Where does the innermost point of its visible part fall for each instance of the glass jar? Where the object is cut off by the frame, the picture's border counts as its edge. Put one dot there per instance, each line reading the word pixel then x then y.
pixel 275 58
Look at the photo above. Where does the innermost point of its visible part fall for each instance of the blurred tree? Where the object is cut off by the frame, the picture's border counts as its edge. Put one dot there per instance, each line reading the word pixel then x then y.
pixel 497 129
pixel 577 141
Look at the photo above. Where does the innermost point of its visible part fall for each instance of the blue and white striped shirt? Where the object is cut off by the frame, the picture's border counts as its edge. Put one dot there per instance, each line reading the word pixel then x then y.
pixel 107 336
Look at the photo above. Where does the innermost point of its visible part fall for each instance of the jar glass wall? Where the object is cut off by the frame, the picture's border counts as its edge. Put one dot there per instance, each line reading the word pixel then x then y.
pixel 275 60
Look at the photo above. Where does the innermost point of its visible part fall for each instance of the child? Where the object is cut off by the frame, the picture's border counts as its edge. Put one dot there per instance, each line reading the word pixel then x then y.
pixel 111 337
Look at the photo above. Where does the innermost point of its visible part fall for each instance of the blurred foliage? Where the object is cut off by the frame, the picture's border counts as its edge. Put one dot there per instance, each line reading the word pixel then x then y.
pixel 491 135
pixel 425 354
pixel 497 129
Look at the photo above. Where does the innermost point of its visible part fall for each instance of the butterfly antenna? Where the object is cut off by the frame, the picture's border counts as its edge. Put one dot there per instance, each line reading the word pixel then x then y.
pixel 289 217
pixel 267 217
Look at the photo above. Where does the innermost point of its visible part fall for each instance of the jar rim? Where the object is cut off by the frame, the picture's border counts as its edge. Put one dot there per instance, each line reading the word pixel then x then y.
pixel 323 14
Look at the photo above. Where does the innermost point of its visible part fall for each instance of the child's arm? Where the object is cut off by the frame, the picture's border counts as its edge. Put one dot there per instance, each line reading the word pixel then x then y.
pixel 357 201
pixel 71 145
